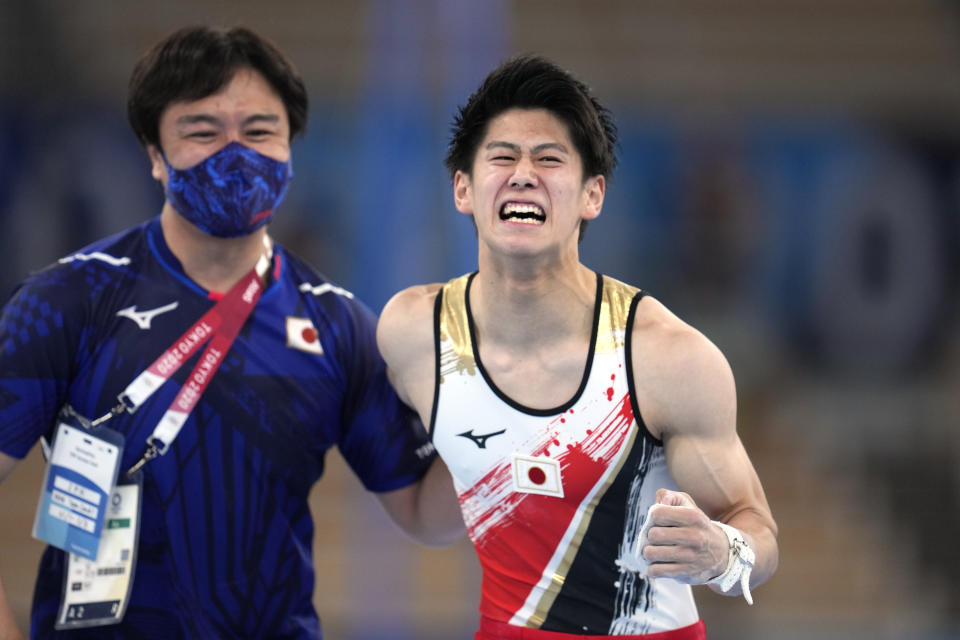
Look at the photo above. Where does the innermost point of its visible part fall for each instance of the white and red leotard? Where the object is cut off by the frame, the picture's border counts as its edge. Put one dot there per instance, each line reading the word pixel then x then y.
pixel 553 499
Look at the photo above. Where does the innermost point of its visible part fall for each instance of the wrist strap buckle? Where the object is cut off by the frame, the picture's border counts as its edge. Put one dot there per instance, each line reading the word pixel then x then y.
pixel 739 563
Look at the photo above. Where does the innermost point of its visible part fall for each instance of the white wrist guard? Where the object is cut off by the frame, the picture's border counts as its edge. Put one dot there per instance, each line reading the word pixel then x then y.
pixel 739 564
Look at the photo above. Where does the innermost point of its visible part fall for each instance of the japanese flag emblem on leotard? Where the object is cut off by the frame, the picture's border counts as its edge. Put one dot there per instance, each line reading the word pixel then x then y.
pixel 538 474
pixel 302 335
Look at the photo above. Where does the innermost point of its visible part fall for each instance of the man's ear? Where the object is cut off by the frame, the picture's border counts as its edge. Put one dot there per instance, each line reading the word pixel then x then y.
pixel 593 190
pixel 462 192
pixel 158 169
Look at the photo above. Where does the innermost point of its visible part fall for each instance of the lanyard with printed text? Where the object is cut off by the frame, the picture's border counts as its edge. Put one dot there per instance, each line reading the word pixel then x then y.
pixel 217 328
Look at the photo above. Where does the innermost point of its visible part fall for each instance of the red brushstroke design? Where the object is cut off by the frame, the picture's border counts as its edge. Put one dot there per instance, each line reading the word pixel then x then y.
pixel 516 537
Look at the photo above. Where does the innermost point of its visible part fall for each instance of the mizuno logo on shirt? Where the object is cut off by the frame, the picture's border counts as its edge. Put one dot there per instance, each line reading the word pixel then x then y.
pixel 143 318
pixel 481 439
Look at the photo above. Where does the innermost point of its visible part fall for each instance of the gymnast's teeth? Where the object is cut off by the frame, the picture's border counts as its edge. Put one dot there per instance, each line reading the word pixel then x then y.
pixel 522 212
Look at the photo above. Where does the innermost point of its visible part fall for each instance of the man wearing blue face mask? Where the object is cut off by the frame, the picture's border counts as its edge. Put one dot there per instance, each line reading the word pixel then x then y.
pixel 202 529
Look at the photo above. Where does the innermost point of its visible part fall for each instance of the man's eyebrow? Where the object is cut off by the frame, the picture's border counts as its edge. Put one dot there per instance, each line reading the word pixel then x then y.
pixel 206 118
pixel 272 118
pixel 497 144
pixel 195 118
pixel 556 146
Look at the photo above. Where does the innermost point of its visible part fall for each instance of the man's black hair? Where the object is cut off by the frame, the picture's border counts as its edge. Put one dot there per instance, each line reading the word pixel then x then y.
pixel 532 82
pixel 195 62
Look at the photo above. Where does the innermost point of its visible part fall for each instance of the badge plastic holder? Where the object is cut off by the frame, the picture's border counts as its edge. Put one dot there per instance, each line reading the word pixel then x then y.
pixel 96 593
pixel 79 479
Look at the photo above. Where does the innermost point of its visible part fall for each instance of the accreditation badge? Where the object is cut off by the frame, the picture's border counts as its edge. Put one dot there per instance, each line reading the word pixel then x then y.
pixel 81 472
pixel 96 592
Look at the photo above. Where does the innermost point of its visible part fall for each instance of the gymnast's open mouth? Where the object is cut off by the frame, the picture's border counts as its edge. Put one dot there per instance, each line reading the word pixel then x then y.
pixel 522 212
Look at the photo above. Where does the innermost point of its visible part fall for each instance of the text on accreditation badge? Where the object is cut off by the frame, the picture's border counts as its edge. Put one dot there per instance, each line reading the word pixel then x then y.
pixel 79 479
pixel 96 592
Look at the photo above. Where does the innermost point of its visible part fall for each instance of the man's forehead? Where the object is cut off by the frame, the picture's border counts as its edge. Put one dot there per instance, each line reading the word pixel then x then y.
pixel 517 122
pixel 244 86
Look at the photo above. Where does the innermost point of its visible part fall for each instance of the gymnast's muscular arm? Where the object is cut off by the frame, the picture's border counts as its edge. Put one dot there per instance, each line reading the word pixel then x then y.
pixel 8 626
pixel 429 510
pixel 687 397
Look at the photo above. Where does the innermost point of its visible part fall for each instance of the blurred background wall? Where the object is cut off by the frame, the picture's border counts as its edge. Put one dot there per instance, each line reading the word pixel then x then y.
pixel 789 184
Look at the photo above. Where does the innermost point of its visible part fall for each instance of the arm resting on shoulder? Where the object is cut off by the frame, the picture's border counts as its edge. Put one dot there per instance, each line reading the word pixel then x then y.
pixel 429 510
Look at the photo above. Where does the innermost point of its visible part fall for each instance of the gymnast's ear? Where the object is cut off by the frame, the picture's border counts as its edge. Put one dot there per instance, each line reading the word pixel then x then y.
pixel 463 192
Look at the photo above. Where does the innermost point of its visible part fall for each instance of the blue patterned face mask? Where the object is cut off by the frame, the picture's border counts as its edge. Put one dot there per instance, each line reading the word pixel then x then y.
pixel 232 193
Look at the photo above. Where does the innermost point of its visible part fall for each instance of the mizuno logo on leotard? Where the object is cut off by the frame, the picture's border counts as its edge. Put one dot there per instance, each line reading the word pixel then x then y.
pixel 96 255
pixel 143 318
pixel 480 440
